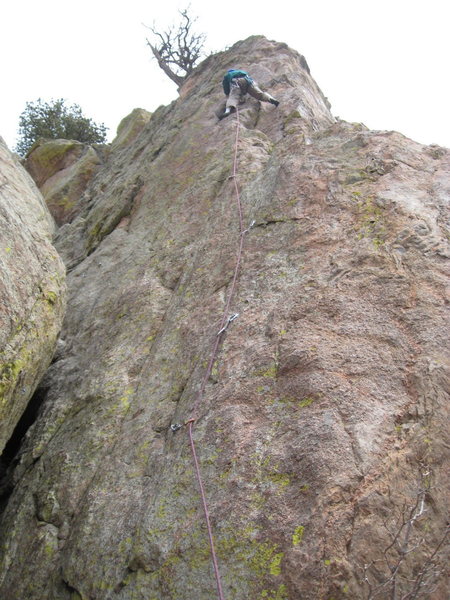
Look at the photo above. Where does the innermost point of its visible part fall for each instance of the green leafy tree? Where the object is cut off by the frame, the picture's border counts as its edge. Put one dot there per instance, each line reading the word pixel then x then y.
pixel 54 120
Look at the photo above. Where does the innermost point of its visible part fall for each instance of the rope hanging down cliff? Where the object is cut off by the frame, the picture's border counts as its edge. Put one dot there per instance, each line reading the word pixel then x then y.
pixel 226 320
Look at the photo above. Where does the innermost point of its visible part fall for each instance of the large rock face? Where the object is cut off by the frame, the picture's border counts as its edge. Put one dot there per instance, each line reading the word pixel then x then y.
pixel 322 426
pixel 32 291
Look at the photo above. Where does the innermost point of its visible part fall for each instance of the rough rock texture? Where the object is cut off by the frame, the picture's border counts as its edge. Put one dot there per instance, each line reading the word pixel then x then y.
pixel 324 420
pixel 32 291
pixel 130 127
pixel 62 169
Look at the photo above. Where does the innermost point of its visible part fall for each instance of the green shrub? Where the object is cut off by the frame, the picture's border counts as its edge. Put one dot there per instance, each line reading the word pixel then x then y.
pixel 54 120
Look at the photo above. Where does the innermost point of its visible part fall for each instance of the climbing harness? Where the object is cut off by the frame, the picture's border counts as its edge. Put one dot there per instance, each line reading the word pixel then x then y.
pixel 225 322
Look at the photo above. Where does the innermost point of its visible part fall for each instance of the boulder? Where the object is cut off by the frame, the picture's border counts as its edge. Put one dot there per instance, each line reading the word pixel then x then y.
pixel 130 127
pixel 62 169
pixel 32 291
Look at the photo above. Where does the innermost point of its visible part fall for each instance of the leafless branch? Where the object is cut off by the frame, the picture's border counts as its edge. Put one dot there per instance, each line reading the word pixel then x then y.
pixel 388 577
pixel 177 49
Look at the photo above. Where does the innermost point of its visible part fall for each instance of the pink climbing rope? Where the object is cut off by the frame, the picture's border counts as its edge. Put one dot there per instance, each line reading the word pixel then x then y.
pixel 235 275
pixel 209 368
pixel 206 511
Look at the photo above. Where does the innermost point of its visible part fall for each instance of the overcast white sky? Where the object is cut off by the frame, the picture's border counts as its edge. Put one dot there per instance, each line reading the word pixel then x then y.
pixel 384 63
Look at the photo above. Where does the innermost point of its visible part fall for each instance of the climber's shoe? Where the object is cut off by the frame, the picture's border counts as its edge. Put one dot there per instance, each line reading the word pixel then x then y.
pixel 273 101
pixel 227 112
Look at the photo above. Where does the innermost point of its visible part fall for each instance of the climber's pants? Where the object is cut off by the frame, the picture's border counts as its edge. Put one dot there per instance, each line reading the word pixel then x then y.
pixel 240 86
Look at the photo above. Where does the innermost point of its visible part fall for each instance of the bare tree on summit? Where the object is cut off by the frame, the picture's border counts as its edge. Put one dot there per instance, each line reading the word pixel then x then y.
pixel 178 49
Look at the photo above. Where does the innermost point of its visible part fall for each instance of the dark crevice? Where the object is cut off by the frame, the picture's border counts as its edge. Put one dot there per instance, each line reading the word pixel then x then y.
pixel 9 457
pixel 276 221
pixel 125 580
pixel 74 593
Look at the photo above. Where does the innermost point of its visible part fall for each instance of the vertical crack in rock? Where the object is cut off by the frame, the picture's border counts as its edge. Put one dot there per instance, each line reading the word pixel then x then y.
pixel 14 444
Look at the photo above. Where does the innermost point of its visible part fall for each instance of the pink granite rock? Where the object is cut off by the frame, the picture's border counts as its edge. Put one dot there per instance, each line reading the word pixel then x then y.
pixel 322 432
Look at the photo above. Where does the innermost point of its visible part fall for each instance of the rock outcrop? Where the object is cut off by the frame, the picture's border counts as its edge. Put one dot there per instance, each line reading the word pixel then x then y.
pixel 32 291
pixel 130 127
pixel 321 432
pixel 63 169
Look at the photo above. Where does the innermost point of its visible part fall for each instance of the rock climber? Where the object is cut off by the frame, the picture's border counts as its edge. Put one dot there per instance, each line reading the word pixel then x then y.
pixel 236 84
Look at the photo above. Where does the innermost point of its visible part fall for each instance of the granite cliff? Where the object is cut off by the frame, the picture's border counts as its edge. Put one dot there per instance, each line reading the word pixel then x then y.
pixel 321 432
